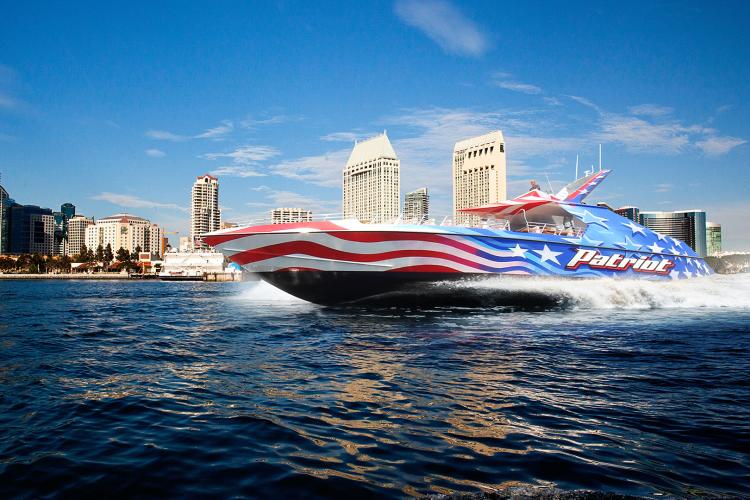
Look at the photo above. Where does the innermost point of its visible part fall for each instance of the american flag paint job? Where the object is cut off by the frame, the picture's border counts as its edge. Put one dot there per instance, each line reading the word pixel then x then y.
pixel 353 246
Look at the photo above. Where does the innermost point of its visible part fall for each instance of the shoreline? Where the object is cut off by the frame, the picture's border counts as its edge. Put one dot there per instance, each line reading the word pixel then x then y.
pixel 65 276
pixel 210 277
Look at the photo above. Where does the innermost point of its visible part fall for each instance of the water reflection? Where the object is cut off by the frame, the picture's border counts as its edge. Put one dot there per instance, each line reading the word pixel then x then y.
pixel 278 395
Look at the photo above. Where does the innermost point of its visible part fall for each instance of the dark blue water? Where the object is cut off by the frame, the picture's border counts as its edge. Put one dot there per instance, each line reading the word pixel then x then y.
pixel 203 389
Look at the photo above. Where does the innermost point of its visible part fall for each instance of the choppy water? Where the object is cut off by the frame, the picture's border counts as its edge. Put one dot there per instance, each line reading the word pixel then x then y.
pixel 186 389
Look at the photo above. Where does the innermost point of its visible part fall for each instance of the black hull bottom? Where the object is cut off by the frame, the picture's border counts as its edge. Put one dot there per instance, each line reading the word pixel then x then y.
pixel 334 288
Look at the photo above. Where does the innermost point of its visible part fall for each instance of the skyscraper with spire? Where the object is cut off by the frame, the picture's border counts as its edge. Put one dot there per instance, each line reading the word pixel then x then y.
pixel 372 181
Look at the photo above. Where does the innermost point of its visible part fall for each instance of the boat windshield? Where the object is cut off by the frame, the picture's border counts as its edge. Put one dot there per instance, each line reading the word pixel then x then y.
pixel 546 219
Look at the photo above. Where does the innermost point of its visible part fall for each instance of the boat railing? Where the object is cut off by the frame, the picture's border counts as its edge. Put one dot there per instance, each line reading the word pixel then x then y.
pixel 526 226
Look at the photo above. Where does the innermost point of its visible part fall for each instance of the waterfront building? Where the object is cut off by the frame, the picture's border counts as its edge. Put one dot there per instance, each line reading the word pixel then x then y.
pixel 31 229
pixel 713 238
pixel 192 264
pixel 416 206
pixel 479 171
pixel 185 245
pixel 42 234
pixel 155 244
pixel 284 215
pixel 205 215
pixel 67 212
pixel 630 212
pixel 372 181
pixel 5 202
pixel 123 231
pixel 686 225
pixel 227 225
pixel 77 233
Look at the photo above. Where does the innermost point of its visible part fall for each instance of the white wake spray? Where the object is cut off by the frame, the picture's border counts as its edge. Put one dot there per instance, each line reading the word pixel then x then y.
pixel 260 291
pixel 717 291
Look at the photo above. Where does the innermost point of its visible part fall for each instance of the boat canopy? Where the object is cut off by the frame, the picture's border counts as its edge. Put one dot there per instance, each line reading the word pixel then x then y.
pixel 573 193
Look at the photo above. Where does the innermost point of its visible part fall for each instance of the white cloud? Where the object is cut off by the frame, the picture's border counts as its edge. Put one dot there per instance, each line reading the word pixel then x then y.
pixel 323 170
pixel 251 122
pixel 345 136
pixel 155 153
pixel 504 81
pixel 444 24
pixel 639 135
pixel 650 110
pixel 125 200
pixel 663 188
pixel 217 132
pixel 715 145
pixel 245 155
pixel 236 171
pixel 214 133
pixel 163 135
pixel 586 102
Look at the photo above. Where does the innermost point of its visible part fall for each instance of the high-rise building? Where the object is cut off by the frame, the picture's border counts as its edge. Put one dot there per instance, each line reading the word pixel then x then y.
pixel 67 212
pixel 155 241
pixel 629 212
pixel 205 215
pixel 5 203
pixel 123 231
pixel 31 229
pixel 686 225
pixel 285 215
pixel 77 233
pixel 478 174
pixel 372 181
pixel 713 238
pixel 416 206
pixel 42 239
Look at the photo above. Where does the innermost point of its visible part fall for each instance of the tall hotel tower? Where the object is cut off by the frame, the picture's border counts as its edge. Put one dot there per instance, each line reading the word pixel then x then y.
pixel 478 174
pixel 372 181
pixel 204 209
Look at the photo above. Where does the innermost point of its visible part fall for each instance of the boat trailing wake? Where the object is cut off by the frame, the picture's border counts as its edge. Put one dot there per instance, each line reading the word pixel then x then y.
pixel 716 291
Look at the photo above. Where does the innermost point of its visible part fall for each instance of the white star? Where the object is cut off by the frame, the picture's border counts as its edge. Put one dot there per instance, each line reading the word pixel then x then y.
pixel 628 243
pixel 675 275
pixel 655 248
pixel 518 251
pixel 589 218
pixel 634 227
pixel 547 254
pixel 662 237
pixel 674 251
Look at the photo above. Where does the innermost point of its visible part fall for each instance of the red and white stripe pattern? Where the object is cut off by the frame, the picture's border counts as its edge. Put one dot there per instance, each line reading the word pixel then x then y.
pixel 351 246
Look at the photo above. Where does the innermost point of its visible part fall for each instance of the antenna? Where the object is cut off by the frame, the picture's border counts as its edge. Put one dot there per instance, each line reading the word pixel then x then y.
pixel 600 157
pixel 576 167
pixel 549 183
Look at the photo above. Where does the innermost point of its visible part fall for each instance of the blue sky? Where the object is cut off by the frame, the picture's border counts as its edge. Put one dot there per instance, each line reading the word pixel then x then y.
pixel 119 107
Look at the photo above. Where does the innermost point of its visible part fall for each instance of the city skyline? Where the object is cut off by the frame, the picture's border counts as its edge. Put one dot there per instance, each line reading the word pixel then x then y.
pixel 123 124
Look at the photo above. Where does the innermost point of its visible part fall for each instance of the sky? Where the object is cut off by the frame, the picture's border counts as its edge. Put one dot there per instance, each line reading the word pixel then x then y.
pixel 119 107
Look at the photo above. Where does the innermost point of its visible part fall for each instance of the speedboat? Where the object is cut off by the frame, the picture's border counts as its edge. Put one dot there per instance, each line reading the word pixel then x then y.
pixel 537 234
